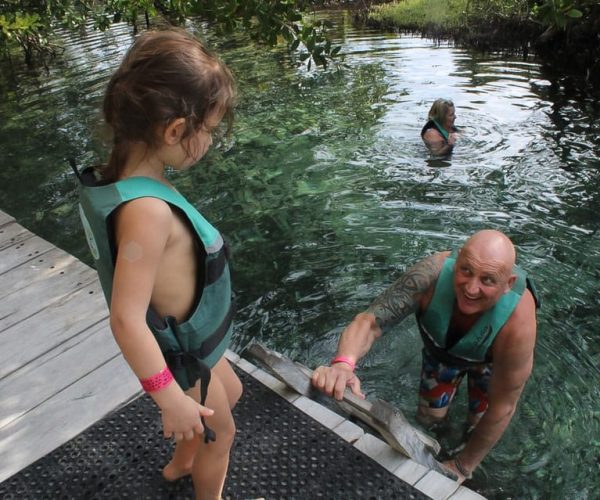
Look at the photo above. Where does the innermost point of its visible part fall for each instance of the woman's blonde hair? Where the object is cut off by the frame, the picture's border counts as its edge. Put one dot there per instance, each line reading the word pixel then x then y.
pixel 439 110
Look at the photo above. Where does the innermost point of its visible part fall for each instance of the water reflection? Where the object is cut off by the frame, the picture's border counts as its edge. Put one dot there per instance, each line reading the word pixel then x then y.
pixel 327 194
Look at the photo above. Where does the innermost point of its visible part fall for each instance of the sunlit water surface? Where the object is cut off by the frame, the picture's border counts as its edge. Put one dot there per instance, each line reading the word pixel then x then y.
pixel 326 194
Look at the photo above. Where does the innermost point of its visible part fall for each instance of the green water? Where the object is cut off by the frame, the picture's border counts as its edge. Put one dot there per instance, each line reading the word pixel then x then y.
pixel 326 194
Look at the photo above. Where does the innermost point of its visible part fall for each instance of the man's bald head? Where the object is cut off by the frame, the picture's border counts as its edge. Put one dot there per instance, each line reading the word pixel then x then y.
pixel 492 246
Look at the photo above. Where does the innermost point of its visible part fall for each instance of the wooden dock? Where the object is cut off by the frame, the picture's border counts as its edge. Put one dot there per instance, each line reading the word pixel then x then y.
pixel 58 359
pixel 59 363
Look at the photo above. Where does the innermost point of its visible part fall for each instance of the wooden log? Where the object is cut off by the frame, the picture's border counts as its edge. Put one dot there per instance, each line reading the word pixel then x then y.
pixel 388 421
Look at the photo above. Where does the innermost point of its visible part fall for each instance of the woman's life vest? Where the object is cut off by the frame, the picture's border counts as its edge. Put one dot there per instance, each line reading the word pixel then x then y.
pixel 191 348
pixel 436 125
pixel 473 346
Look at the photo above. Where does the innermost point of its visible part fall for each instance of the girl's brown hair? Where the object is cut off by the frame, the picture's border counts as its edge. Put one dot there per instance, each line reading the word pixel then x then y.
pixel 165 75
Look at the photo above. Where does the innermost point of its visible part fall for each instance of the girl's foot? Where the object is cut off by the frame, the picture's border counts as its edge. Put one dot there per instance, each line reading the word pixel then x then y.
pixel 173 471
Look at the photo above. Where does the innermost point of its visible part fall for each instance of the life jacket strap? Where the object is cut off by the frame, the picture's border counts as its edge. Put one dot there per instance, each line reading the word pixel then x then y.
pixel 178 360
pixel 182 359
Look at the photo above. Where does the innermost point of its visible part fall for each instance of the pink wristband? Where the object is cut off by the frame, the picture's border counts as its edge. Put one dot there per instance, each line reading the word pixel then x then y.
pixel 343 359
pixel 158 381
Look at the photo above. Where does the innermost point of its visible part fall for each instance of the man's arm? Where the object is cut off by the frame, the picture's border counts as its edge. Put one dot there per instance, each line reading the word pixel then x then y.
pixel 402 298
pixel 512 353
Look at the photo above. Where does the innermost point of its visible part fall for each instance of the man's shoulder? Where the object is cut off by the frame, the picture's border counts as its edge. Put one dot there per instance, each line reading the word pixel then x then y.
pixel 525 308
pixel 520 328
pixel 436 261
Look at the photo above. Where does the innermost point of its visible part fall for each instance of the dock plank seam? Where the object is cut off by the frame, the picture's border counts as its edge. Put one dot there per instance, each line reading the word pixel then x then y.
pixel 26 367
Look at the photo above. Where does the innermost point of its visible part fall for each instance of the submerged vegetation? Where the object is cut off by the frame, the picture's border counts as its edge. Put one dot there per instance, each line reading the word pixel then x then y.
pixel 565 34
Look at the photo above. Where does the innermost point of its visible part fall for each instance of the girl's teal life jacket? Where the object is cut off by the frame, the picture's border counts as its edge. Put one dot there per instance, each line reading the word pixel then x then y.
pixel 473 347
pixel 195 345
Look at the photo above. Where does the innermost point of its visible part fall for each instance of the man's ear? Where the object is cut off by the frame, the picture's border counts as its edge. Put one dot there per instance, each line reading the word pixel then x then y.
pixel 174 131
pixel 510 282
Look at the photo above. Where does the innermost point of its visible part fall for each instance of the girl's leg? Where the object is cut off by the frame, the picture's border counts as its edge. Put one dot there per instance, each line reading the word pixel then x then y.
pixel 182 460
pixel 183 457
pixel 211 460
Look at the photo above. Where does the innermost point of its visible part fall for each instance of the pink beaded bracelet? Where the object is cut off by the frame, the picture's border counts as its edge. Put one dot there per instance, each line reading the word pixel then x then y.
pixel 158 381
pixel 344 359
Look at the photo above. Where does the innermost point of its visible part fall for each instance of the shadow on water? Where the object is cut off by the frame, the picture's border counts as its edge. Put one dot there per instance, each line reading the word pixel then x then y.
pixel 326 194
pixel 436 162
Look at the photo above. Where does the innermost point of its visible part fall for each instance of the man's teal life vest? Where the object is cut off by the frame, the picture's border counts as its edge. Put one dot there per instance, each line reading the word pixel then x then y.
pixel 194 346
pixel 472 347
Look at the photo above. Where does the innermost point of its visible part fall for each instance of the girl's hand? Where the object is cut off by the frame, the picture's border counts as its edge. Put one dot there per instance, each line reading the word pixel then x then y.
pixel 181 420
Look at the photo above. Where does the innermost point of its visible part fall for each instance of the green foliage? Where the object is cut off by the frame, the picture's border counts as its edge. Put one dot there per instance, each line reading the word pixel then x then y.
pixel 19 25
pixel 126 10
pixel 490 10
pixel 30 24
pixel 418 13
pixel 556 13
pixel 450 14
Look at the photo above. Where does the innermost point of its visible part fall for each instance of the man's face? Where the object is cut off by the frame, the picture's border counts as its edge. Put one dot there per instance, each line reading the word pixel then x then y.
pixel 479 282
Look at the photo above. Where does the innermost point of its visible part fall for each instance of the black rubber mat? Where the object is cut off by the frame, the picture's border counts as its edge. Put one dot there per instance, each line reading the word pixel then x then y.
pixel 279 453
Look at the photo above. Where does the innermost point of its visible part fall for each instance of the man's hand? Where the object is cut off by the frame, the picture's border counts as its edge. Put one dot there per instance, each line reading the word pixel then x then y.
pixel 333 380
pixel 182 419
pixel 449 464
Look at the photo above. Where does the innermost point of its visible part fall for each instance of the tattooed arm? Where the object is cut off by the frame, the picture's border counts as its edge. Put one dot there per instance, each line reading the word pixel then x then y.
pixel 405 295
pixel 401 299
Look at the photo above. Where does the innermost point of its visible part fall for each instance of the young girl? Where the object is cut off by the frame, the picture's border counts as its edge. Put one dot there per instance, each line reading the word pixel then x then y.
pixel 162 266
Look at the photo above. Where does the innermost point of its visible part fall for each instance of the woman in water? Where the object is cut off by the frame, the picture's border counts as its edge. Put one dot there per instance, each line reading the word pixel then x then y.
pixel 439 133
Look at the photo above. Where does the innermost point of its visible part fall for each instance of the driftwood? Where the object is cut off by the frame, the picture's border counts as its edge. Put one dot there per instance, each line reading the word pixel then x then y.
pixel 388 421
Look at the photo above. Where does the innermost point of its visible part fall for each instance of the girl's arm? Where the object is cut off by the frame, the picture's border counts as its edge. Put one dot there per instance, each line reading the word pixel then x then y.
pixel 142 232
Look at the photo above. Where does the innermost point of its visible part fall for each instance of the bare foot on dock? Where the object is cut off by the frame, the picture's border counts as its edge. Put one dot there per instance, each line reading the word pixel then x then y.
pixel 182 460
pixel 174 471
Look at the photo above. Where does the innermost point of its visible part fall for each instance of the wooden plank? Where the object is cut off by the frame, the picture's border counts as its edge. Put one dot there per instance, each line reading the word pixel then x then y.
pixel 61 370
pixel 378 414
pixel 13 234
pixel 52 265
pixel 33 286
pixel 65 415
pixel 15 255
pixel 463 493
pixel 34 383
pixel 63 319
pixel 5 218
pixel 436 485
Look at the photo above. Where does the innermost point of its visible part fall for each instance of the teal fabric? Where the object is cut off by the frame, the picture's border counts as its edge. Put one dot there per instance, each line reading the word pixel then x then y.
pixel 474 345
pixel 211 313
pixel 441 129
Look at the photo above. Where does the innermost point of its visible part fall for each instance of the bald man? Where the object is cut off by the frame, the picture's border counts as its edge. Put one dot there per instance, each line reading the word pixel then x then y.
pixel 476 312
